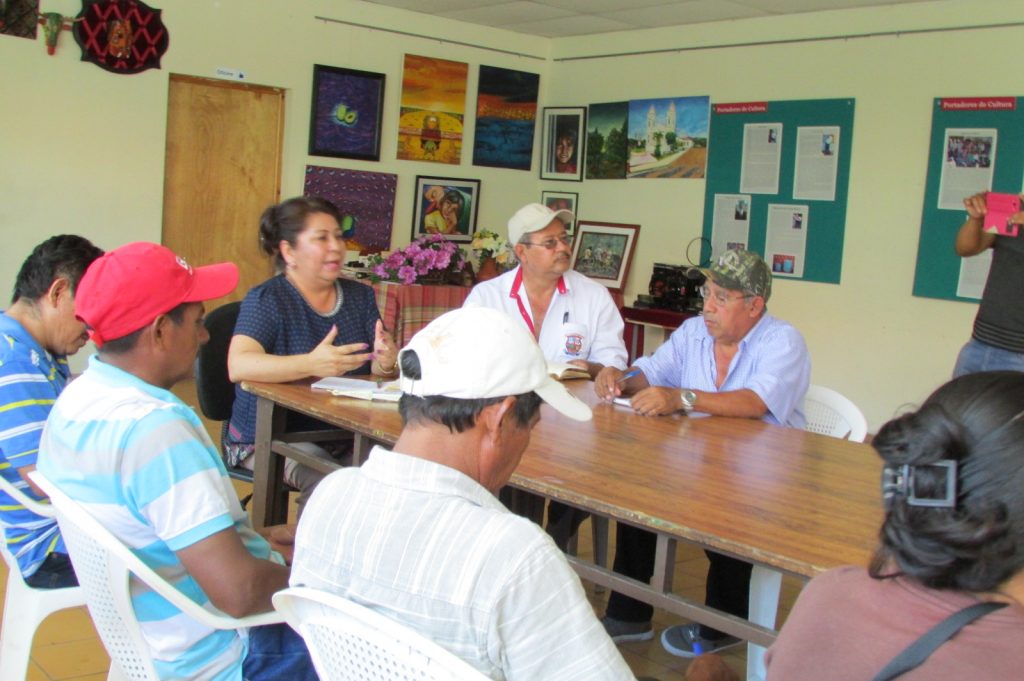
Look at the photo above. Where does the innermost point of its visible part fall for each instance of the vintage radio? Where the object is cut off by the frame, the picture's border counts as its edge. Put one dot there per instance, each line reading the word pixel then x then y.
pixel 674 287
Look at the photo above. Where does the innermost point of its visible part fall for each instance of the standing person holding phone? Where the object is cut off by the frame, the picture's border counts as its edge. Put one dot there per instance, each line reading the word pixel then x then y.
pixel 997 341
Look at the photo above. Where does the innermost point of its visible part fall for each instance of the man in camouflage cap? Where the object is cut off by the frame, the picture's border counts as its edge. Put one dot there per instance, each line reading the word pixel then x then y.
pixel 735 360
pixel 742 271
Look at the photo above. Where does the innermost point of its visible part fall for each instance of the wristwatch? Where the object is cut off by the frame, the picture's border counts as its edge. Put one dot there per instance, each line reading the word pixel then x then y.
pixel 689 399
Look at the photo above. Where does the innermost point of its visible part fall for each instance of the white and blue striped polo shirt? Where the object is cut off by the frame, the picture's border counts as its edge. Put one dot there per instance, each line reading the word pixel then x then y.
pixel 141 462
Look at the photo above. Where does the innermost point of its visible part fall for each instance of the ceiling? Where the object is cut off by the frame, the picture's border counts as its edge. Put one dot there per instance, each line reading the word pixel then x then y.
pixel 559 18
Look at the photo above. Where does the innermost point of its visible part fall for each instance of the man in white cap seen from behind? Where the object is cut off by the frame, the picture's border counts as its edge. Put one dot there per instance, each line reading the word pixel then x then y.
pixel 417 534
pixel 573 318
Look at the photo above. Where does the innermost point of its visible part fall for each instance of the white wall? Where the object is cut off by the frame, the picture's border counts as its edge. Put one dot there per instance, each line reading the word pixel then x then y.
pixel 81 150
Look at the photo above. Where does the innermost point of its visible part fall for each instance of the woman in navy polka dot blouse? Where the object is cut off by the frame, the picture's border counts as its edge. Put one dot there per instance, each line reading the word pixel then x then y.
pixel 305 321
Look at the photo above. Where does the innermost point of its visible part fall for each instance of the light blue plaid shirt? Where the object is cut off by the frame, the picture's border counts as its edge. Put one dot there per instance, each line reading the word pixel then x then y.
pixel 772 361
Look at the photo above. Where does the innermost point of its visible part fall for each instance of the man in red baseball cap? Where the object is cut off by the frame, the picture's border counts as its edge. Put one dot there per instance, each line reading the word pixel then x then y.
pixel 139 460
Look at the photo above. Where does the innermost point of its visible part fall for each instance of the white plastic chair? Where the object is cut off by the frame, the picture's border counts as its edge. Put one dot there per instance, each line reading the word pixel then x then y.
pixel 830 413
pixel 103 565
pixel 349 642
pixel 25 607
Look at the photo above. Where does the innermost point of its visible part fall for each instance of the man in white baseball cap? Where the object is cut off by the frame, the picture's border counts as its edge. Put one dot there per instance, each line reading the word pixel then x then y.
pixel 573 318
pixel 417 534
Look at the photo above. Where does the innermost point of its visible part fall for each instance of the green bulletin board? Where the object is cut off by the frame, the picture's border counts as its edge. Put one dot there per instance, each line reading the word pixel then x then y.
pixel 823 254
pixel 938 266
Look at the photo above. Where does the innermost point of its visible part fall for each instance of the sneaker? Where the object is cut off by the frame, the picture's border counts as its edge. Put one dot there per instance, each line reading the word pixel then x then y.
pixel 684 640
pixel 621 631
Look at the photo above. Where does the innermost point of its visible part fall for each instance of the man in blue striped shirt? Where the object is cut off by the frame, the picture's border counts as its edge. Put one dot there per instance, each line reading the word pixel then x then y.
pixel 37 333
pixel 140 461
pixel 736 360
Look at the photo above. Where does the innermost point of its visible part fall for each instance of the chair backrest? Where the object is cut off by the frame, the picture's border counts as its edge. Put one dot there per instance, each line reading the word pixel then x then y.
pixel 215 390
pixel 830 413
pixel 350 642
pixel 103 565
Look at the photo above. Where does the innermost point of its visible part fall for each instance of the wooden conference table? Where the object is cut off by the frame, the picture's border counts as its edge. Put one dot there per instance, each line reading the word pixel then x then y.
pixel 786 500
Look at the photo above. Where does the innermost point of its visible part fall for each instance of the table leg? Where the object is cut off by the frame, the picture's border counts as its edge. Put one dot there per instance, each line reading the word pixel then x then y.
pixel 361 446
pixel 664 564
pixel 765 584
pixel 269 494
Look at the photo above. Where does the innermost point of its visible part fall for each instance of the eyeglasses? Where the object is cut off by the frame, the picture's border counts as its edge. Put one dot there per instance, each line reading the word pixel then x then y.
pixel 551 244
pixel 721 298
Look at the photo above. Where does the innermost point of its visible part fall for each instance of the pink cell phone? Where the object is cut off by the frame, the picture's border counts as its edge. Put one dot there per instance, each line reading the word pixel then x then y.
pixel 999 208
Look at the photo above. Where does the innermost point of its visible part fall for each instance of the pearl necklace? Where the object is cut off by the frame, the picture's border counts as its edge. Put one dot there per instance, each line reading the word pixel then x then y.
pixel 339 298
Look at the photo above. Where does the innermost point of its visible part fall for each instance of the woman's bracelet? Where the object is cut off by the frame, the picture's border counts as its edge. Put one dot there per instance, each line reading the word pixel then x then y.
pixel 393 369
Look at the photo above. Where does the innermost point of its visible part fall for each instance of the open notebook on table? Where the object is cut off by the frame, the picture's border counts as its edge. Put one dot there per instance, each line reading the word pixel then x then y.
pixel 387 391
pixel 564 371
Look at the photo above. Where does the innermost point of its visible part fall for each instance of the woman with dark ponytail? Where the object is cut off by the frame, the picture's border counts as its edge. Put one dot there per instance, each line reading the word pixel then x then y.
pixel 305 321
pixel 952 537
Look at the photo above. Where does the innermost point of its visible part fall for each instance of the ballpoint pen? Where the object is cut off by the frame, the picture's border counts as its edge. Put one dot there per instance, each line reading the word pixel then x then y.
pixel 628 375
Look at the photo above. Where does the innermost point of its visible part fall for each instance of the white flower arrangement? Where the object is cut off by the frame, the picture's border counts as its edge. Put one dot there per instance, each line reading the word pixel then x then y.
pixel 487 244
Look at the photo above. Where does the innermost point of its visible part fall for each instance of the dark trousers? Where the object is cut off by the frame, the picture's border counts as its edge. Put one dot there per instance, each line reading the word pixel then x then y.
pixel 727 589
pixel 54 573
pixel 563 521
pixel 276 651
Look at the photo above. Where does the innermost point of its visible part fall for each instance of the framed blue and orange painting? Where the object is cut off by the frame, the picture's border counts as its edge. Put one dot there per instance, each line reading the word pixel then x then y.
pixel 506 117
pixel 345 116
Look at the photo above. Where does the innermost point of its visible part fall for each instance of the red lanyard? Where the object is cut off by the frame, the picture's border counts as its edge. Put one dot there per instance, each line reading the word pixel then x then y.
pixel 514 293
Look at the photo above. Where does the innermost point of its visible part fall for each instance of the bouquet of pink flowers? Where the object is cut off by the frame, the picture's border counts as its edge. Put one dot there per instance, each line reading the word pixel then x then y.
pixel 427 255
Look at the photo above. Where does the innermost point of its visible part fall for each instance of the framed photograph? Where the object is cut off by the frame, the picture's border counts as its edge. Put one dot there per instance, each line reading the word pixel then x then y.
pixel 563 201
pixel 445 205
pixel 346 113
pixel 562 144
pixel 603 251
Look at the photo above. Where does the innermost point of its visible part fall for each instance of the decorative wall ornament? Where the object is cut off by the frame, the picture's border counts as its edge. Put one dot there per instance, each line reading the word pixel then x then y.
pixel 53 23
pixel 121 36
pixel 19 18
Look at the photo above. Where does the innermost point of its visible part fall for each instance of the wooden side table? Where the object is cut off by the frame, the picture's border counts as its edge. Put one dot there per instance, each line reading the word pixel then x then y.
pixel 638 317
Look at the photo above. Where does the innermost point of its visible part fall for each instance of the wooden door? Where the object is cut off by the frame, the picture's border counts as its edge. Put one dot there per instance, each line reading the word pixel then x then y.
pixel 222 168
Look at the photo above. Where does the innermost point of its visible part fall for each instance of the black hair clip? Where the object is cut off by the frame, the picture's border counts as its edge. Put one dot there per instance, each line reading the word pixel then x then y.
pixel 900 481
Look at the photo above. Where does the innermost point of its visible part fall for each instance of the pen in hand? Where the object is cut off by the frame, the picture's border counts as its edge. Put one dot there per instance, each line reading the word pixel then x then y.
pixel 628 375
pixel 619 381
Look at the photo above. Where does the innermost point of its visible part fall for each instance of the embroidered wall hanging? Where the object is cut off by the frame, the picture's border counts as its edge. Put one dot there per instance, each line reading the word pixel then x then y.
pixel 18 18
pixel 121 36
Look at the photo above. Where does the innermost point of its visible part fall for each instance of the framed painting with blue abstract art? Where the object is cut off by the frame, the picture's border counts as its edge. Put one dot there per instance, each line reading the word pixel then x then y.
pixel 506 116
pixel 346 113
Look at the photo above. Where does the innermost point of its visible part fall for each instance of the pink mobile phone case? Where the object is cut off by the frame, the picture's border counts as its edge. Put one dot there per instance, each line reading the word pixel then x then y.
pixel 999 208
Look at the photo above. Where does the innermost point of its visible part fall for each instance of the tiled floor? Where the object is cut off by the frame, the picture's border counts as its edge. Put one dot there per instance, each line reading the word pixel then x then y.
pixel 648 658
pixel 66 645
